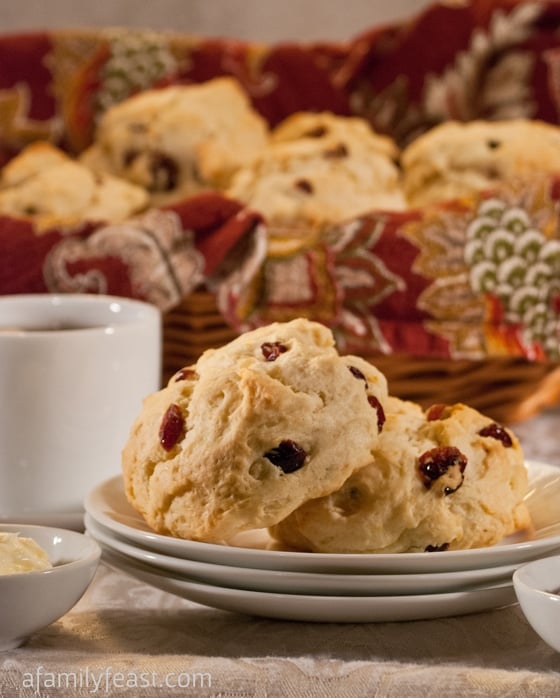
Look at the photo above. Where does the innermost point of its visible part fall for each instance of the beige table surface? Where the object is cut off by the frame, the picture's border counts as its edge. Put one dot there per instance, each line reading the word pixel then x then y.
pixel 126 638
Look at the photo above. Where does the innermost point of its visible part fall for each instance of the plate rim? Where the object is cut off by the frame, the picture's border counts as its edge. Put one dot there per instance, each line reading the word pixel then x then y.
pixel 444 561
pixel 311 608
pixel 314 582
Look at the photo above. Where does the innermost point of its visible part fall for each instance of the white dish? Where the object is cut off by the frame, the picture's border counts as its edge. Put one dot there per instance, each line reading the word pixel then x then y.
pixel 300 582
pixel 315 608
pixel 32 600
pixel 537 586
pixel 107 505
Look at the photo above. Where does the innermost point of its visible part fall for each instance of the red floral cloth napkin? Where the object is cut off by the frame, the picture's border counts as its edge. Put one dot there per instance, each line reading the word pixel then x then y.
pixel 466 279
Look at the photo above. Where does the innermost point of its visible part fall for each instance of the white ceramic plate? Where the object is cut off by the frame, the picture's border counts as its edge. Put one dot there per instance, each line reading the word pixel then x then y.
pixel 319 609
pixel 300 582
pixel 107 505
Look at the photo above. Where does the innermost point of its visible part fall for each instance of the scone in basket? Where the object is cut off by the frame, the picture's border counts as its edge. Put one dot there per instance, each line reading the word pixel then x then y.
pixel 455 301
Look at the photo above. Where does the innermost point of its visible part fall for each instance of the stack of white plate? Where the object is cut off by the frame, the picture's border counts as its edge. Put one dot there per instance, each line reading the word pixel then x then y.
pixel 250 576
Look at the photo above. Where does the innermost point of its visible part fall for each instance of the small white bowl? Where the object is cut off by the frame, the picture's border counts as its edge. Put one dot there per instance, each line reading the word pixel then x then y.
pixel 30 601
pixel 537 586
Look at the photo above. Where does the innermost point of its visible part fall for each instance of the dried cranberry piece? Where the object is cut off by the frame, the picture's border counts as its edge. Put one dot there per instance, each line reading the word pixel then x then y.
pixel 435 412
pixel 338 151
pixel 185 374
pixel 497 431
pixel 171 427
pixel 129 156
pixel 445 462
pixel 317 132
pixel 378 407
pixel 436 548
pixel 272 350
pixel 304 185
pixel 164 171
pixel 357 373
pixel 288 456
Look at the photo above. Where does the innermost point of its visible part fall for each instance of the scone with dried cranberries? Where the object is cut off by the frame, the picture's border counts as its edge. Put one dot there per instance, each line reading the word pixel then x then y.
pixel 251 431
pixel 458 159
pixel 449 478
pixel 50 188
pixel 179 140
pixel 320 169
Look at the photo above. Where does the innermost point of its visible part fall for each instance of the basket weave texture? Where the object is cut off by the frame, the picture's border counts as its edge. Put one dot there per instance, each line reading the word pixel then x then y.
pixel 509 389
pixel 430 295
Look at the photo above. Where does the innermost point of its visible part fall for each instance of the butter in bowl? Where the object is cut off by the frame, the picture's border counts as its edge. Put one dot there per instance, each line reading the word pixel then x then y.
pixel 43 574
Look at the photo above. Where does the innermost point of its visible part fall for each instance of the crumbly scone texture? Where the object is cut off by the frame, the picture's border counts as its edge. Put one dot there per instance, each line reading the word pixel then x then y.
pixel 29 162
pixel 262 424
pixel 393 506
pixel 458 159
pixel 326 126
pixel 46 185
pixel 321 168
pixel 179 140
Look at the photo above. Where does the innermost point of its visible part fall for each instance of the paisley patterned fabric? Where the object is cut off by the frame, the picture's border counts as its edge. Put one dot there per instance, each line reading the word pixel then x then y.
pixel 469 278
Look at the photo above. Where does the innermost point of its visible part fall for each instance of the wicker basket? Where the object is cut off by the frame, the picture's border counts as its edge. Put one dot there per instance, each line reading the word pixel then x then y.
pixel 191 327
pixel 506 389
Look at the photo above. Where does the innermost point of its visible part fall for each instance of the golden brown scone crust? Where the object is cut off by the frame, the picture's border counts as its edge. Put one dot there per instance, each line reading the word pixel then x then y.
pixel 388 507
pixel 321 168
pixel 46 185
pixel 328 127
pixel 179 140
pixel 234 466
pixel 458 159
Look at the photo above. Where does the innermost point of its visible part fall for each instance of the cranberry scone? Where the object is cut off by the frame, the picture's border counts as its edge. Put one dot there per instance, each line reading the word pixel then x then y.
pixel 179 140
pixel 325 127
pixel 458 159
pixel 251 431
pixel 445 479
pixel 321 168
pixel 46 185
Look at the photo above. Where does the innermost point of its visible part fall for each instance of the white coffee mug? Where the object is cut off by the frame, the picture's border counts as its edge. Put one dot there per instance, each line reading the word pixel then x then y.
pixel 74 370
